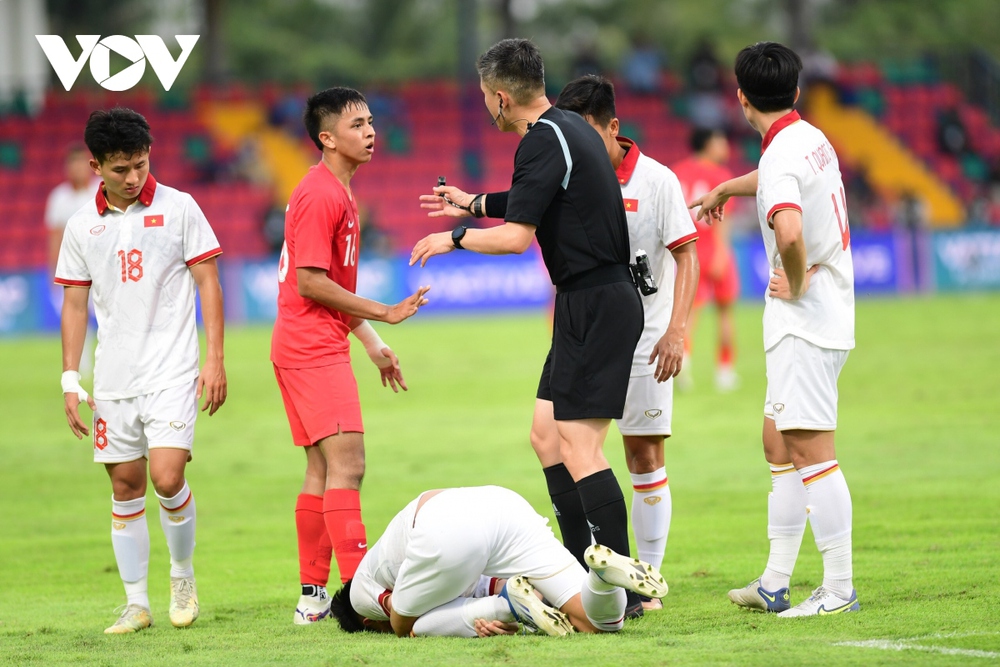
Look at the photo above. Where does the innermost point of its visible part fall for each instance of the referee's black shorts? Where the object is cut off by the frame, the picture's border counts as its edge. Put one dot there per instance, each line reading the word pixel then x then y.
pixel 594 336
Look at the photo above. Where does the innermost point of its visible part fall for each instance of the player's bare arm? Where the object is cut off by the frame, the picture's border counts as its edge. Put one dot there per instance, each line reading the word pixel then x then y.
pixel 316 285
pixel 486 628
pixel 74 331
pixel 711 206
pixel 668 353
pixel 445 202
pixel 380 354
pixel 212 382
pixel 787 225
pixel 511 238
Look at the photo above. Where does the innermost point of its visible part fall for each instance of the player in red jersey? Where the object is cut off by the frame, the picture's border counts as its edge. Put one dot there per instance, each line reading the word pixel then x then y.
pixel 317 307
pixel 719 280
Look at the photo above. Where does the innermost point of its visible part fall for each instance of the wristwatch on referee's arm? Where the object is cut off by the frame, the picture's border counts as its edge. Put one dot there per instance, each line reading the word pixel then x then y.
pixel 457 235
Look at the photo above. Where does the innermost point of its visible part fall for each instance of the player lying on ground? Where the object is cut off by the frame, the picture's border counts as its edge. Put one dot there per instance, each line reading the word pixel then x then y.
pixel 433 572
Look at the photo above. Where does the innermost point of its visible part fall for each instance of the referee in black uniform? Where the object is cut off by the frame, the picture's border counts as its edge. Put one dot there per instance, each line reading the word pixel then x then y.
pixel 564 192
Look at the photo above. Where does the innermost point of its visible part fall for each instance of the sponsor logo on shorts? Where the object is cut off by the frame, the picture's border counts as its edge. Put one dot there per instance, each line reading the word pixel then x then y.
pixel 96 231
pixel 653 414
pixel 176 519
pixel 652 500
pixel 118 525
pixel 178 426
pixel 778 408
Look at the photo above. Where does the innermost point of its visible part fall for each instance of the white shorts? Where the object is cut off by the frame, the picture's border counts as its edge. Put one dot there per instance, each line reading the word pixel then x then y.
pixel 126 429
pixel 802 385
pixel 649 406
pixel 463 533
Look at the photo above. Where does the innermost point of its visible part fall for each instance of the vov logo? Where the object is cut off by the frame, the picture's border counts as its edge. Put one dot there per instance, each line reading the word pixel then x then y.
pixel 137 51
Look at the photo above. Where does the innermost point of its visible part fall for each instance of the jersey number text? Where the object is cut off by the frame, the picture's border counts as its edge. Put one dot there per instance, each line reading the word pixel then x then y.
pixel 131 265
pixel 351 256
pixel 845 231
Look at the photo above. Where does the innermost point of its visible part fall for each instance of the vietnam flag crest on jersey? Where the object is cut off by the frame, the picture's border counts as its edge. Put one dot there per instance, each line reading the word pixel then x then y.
pixel 152 221
pixel 630 205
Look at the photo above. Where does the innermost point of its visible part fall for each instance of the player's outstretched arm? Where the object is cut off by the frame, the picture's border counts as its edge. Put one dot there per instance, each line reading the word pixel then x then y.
pixel 711 206
pixel 212 382
pixel 74 331
pixel 316 285
pixel 380 354
pixel 669 350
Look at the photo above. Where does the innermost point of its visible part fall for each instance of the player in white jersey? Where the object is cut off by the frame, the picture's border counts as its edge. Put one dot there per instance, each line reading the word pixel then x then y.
pixel 141 248
pixel 466 562
pixel 658 224
pixel 808 331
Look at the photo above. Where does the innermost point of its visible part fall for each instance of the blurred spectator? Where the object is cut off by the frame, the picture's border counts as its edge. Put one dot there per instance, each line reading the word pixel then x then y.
pixel 911 213
pixel 706 106
pixel 373 240
pixel 274 226
pixel 585 60
pixel 286 113
pixel 79 189
pixel 642 67
pixel 951 134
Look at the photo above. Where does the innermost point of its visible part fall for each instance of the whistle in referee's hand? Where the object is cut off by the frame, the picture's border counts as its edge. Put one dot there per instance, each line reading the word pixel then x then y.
pixel 441 184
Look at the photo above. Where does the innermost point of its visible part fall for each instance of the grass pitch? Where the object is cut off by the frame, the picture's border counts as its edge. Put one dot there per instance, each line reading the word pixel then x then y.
pixel 917 441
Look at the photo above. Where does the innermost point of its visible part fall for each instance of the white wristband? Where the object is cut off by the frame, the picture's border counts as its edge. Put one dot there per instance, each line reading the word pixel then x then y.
pixel 71 384
pixel 366 333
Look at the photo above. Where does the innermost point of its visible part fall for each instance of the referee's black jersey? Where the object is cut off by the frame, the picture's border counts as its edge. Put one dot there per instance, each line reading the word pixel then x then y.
pixel 564 184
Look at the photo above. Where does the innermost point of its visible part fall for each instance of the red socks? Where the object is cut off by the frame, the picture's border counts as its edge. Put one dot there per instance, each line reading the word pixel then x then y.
pixel 342 516
pixel 314 540
pixel 725 355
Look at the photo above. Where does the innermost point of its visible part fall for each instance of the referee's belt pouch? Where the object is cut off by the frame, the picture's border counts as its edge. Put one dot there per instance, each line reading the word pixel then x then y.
pixel 601 275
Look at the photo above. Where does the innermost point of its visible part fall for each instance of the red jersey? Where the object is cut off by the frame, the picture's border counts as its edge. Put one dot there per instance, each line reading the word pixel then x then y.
pixel 321 231
pixel 697 178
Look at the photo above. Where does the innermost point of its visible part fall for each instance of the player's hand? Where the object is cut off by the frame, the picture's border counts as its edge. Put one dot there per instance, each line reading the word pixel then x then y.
pixel 668 353
pixel 486 628
pixel 408 307
pixel 388 366
pixel 72 406
pixel 439 206
pixel 778 287
pixel 212 383
pixel 433 244
pixel 711 206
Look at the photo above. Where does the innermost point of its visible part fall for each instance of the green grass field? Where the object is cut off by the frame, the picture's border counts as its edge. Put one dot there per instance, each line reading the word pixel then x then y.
pixel 917 441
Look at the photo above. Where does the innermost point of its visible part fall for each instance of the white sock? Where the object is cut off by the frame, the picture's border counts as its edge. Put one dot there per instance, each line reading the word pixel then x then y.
pixel 178 518
pixel 130 541
pixel 651 510
pixel 786 523
pixel 457 618
pixel 603 603
pixel 830 515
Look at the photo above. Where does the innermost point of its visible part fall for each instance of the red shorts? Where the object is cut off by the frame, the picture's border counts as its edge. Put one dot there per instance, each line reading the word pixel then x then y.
pixel 320 402
pixel 723 290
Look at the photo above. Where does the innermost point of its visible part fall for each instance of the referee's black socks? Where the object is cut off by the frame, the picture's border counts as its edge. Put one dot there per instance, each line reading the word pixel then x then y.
pixel 568 507
pixel 604 506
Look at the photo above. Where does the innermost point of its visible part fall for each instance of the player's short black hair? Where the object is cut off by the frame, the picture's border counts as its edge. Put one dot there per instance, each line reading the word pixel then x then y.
pixel 329 102
pixel 515 66
pixel 340 607
pixel 700 136
pixel 118 131
pixel 590 95
pixel 768 74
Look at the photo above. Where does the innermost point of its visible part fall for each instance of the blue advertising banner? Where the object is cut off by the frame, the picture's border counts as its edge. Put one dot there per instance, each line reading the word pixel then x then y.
pixel 465 281
pixel 877 266
pixel 20 303
pixel 967 260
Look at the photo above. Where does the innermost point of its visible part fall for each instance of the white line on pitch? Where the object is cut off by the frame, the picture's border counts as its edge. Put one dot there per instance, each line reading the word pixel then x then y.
pixel 896 645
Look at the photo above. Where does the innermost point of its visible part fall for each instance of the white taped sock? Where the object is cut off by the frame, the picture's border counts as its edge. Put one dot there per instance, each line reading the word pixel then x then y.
pixel 831 516
pixel 178 519
pixel 603 603
pixel 651 511
pixel 786 523
pixel 130 541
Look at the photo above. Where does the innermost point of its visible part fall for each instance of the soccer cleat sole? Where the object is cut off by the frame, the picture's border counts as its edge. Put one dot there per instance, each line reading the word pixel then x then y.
pixel 534 612
pixel 629 573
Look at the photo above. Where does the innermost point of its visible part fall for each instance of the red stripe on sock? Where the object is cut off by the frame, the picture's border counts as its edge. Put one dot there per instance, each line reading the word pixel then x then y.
pixel 821 473
pixel 179 507
pixel 651 486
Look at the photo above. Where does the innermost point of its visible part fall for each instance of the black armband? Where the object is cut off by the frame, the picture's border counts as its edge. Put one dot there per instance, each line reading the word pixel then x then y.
pixel 496 205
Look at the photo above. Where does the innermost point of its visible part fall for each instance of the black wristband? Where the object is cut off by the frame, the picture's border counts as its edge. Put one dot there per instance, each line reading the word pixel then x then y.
pixel 477 206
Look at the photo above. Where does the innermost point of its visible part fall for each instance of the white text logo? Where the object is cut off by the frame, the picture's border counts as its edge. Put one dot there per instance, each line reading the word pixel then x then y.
pixel 137 51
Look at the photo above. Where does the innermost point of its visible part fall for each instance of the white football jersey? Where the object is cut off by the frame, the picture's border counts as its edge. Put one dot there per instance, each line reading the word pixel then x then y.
pixel 799 170
pixel 136 263
pixel 658 222
pixel 64 201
